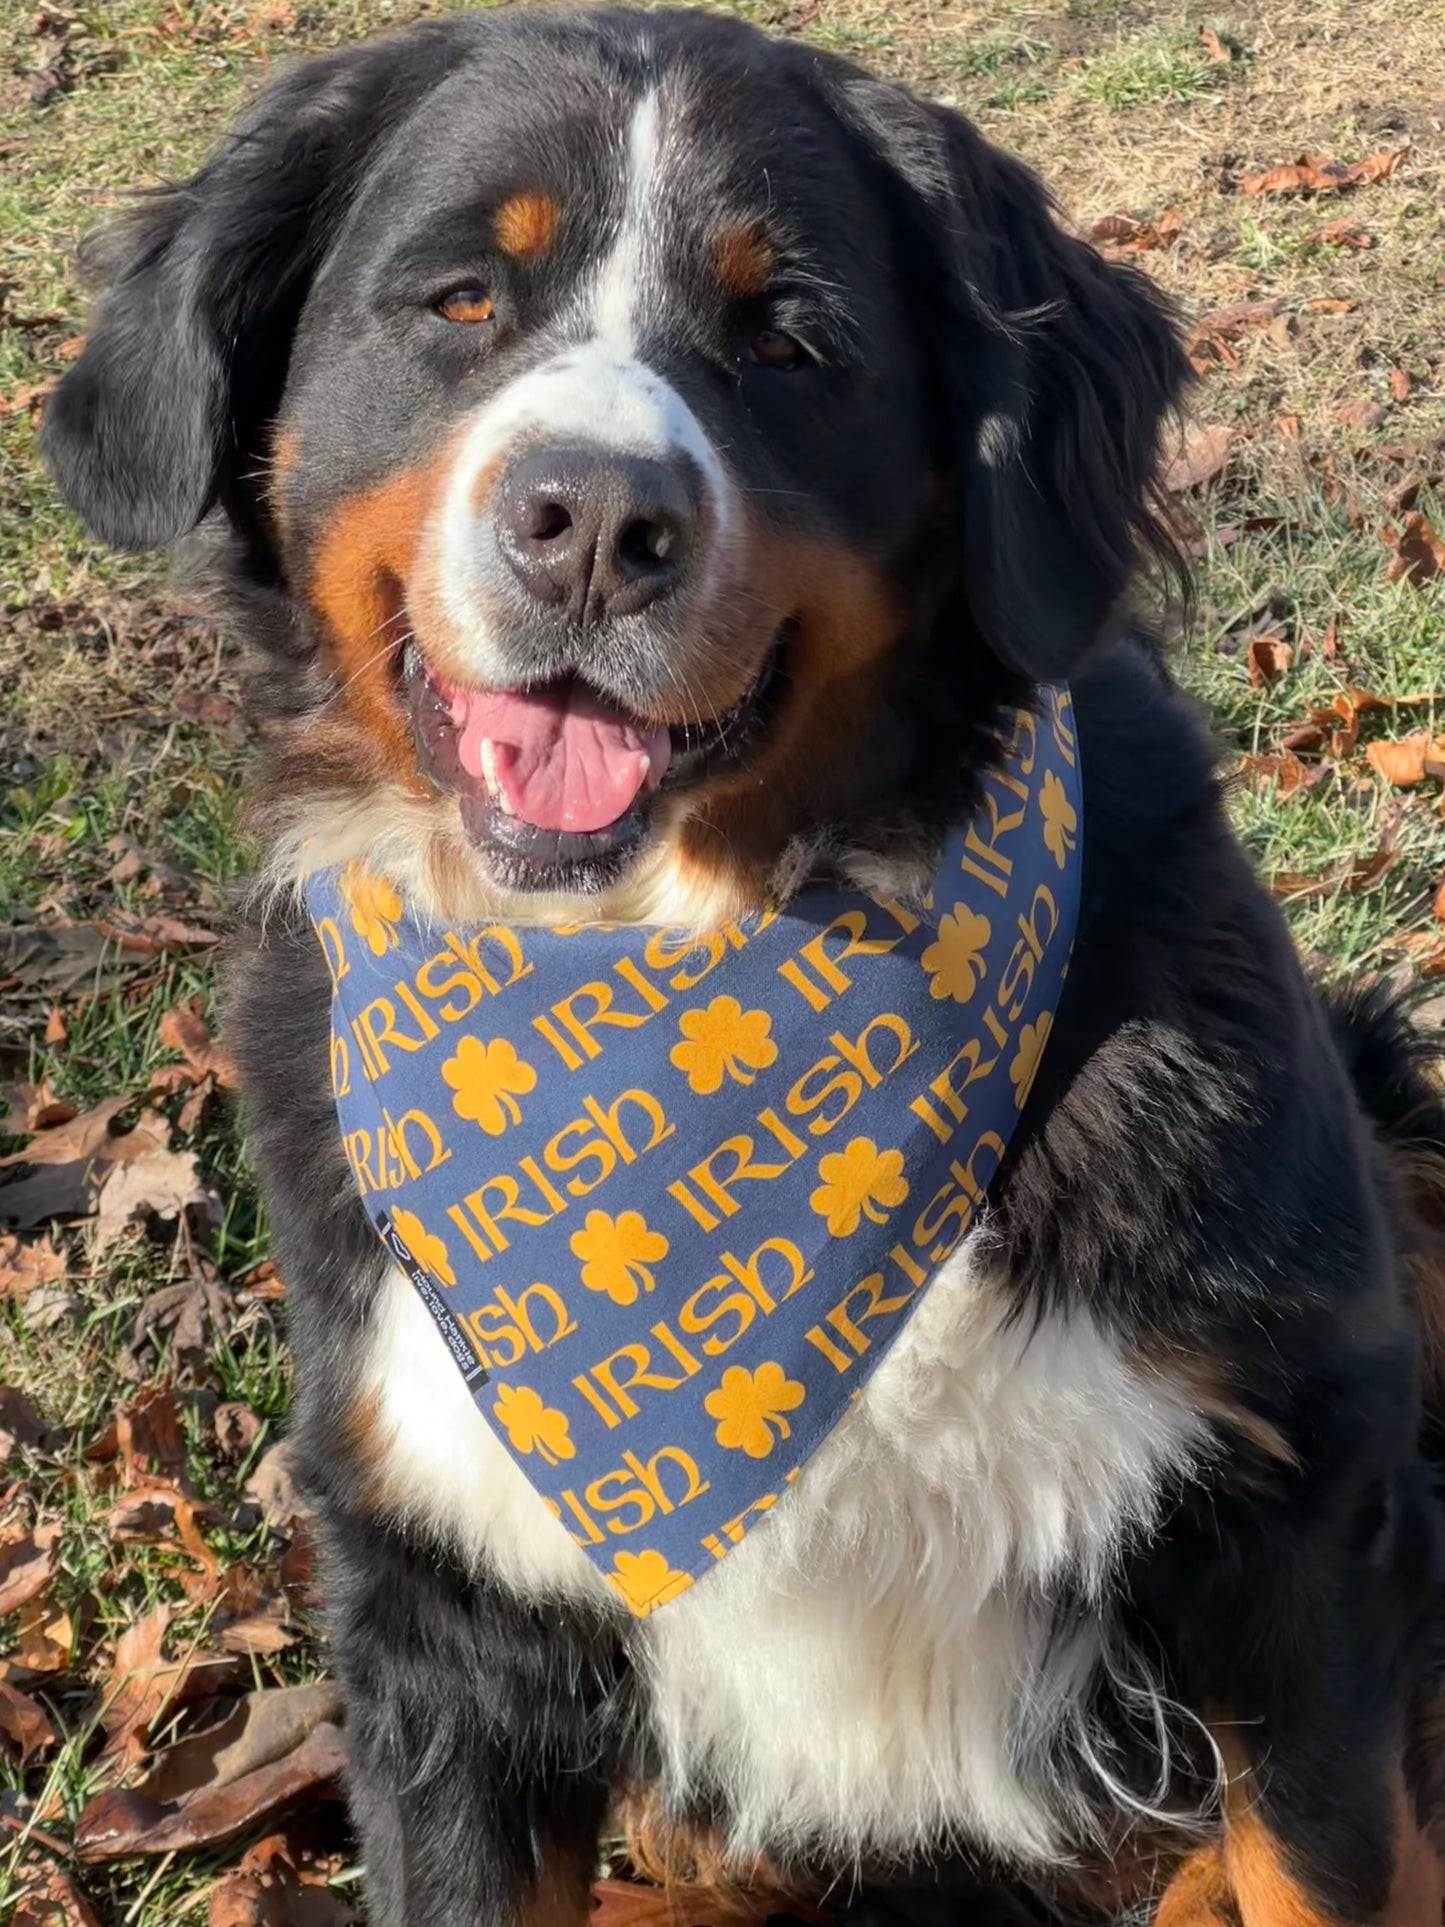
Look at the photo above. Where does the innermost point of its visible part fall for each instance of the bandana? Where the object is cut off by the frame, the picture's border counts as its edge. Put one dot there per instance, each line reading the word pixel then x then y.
pixel 668 1197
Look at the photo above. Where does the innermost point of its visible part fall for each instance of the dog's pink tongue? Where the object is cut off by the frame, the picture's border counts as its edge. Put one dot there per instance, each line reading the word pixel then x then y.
pixel 560 757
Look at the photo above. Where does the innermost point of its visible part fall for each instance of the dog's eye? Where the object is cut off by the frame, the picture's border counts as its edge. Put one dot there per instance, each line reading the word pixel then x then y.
pixel 466 305
pixel 771 348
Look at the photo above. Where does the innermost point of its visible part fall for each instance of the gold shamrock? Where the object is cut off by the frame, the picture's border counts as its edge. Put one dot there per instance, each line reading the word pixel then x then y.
pixel 373 906
pixel 747 1405
pixel 954 961
pixel 424 1245
pixel 1024 1068
pixel 646 1580
pixel 859 1182
pixel 488 1079
pixel 531 1425
pixel 616 1254
pixel 1061 821
pixel 723 1040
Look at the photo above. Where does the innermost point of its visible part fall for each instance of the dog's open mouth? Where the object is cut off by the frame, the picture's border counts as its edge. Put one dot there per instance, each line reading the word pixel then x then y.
pixel 557 781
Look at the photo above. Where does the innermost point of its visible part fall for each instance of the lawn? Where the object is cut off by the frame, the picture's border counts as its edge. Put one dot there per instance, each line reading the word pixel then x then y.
pixel 1279 171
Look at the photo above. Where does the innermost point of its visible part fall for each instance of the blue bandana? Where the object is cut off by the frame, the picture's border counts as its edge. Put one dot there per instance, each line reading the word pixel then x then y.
pixel 670 1198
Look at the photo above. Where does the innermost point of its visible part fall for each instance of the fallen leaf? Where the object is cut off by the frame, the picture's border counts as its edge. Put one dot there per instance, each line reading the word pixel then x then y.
pixel 55 1031
pixel 1330 304
pixel 1361 414
pixel 1123 233
pixel 142 1682
pixel 58 959
pixel 1437 903
pixel 275 1899
pixel 1216 48
pixel 1200 457
pixel 273 1488
pixel 1211 341
pixel 162 1184
pixel 25 1723
pixel 1313 174
pixel 154 936
pixel 33 1107
pixel 1417 556
pixel 21 1426
pixel 260 1729
pixel 1407 760
pixel 82 1136
pixel 1287 427
pixel 1284 769
pixel 1400 383
pixel 26 1263
pixel 27 1564
pixel 117 1825
pixel 183 1029
pixel 236 1426
pixel 151 1514
pixel 45 1638
pixel 1267 658
pixel 1342 234
pixel 59 1901
pixel 55 1191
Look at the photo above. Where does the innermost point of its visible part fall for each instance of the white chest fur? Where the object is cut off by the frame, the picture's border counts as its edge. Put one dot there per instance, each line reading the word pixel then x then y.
pixel 875 1665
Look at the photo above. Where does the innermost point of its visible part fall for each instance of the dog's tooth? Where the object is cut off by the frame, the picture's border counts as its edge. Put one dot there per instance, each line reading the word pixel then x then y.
pixel 489 776
pixel 411 662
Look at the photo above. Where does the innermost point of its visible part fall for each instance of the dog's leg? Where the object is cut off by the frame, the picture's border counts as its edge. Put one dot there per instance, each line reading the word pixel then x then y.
pixel 482 1737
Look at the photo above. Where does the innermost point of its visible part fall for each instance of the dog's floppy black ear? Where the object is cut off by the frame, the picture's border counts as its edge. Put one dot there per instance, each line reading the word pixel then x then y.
pixel 188 351
pixel 1058 369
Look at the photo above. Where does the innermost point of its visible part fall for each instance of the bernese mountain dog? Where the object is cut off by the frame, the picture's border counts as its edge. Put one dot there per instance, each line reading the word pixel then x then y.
pixel 679 493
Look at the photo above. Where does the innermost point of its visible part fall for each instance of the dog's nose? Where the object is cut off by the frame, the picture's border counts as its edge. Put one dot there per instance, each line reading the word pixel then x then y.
pixel 594 532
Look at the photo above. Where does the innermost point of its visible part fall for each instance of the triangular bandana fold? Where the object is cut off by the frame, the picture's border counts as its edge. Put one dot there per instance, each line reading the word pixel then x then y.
pixel 668 1199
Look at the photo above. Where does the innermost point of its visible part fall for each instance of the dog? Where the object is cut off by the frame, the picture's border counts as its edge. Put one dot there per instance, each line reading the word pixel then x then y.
pixel 662 473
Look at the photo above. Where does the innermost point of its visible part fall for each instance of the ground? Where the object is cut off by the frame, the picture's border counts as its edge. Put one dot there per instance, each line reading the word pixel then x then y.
pixel 150 1552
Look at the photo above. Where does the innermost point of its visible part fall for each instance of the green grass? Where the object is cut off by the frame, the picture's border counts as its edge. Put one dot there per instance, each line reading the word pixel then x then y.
pixel 1153 67
pixel 104 749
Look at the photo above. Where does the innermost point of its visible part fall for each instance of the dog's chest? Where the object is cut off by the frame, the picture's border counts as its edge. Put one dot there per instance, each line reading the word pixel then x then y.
pixel 876 1664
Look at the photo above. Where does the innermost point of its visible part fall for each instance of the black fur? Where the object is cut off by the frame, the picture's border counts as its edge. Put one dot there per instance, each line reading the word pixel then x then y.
pixel 1210 1158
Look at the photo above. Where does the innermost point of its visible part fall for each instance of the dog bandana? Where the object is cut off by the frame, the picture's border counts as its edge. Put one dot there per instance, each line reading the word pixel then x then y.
pixel 670 1198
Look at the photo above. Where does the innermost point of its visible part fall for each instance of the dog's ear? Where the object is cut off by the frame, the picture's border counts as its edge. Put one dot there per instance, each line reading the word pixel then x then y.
pixel 188 351
pixel 1057 370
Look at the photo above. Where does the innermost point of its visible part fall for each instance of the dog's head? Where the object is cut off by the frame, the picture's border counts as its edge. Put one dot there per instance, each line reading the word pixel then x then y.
pixel 654 441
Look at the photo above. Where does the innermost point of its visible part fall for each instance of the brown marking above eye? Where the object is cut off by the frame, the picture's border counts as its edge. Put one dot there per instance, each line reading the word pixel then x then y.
pixel 467 305
pixel 742 259
pixel 526 224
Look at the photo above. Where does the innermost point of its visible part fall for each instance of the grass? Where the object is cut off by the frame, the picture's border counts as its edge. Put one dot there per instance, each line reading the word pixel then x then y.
pixel 1153 67
pixel 121 753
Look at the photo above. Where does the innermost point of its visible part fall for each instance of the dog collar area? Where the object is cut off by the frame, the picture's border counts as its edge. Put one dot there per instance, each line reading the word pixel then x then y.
pixel 670 1198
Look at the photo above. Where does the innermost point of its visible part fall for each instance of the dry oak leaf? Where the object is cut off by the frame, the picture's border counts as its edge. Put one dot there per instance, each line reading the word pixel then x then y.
pixel 258 1730
pixel 1313 174
pixel 21 1426
pixel 1437 902
pixel 116 1825
pixel 59 1902
pixel 1123 233
pixel 1407 760
pixel 1266 659
pixel 1401 382
pixel 24 1722
pixel 1282 768
pixel 1362 414
pixel 1216 48
pixel 1418 554
pixel 27 1564
pixel 1343 233
pixel 143 1683
pixel 183 1029
pixel 273 1487
pixel 1200 457
pixel 161 1184
pixel 26 1263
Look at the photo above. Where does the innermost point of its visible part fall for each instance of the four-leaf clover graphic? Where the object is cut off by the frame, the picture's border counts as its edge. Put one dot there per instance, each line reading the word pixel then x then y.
pixel 424 1245
pixel 748 1406
pixel 488 1079
pixel 954 960
pixel 531 1425
pixel 1061 822
pixel 617 1254
pixel 723 1040
pixel 859 1182
pixel 645 1579
pixel 373 906
pixel 1024 1067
